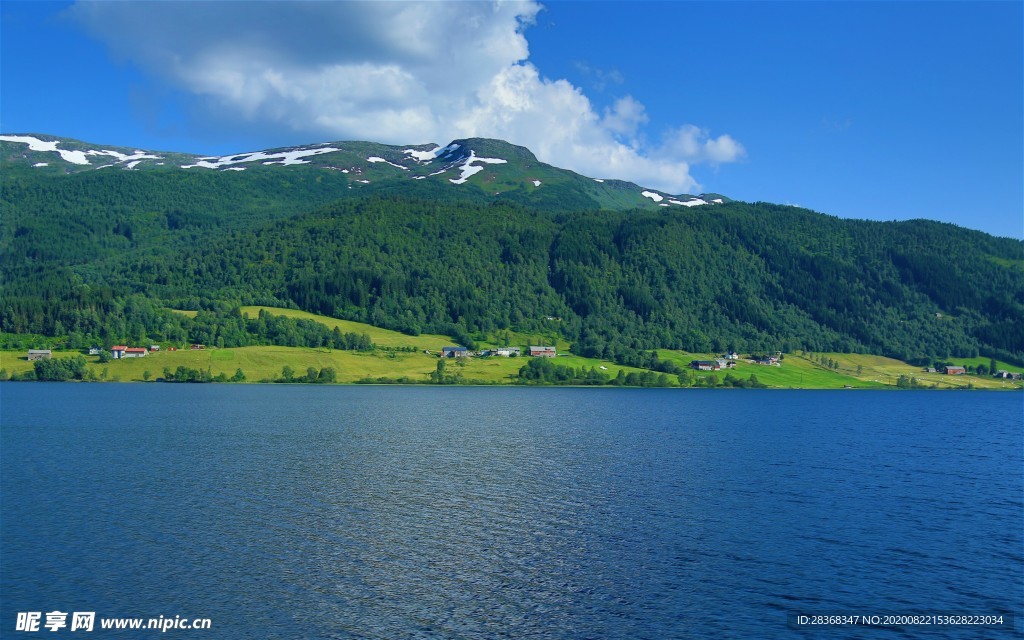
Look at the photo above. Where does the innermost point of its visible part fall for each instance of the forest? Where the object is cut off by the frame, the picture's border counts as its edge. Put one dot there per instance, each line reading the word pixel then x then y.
pixel 114 257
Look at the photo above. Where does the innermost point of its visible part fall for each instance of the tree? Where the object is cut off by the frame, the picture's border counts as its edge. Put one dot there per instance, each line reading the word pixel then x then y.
pixel 754 383
pixel 287 373
pixel 437 376
pixel 685 380
pixel 239 376
pixel 62 369
pixel 146 375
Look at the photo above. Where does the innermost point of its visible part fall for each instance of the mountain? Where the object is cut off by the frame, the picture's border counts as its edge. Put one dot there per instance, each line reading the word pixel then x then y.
pixel 474 238
pixel 495 167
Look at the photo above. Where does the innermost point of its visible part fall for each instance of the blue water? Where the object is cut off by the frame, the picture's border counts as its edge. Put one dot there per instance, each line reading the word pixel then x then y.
pixel 389 512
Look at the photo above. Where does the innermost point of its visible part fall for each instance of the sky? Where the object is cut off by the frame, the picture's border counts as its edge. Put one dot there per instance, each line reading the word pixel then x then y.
pixel 871 110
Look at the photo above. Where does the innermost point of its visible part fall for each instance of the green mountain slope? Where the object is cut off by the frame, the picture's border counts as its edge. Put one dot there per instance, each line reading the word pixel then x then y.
pixel 365 232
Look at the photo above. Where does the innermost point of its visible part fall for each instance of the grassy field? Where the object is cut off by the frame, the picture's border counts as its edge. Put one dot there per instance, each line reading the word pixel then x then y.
pixel 793 373
pixel 432 342
pixel 380 337
pixel 796 371
pixel 266 363
pixel 887 371
pixel 858 371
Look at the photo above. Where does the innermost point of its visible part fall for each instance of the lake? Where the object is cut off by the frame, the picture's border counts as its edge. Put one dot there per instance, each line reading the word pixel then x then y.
pixel 458 512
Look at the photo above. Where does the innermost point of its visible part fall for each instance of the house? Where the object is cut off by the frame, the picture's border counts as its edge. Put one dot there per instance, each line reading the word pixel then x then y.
pixel 732 355
pixel 454 352
pixel 95 350
pixel 542 352
pixel 154 347
pixel 118 351
pixel 506 352
pixel 39 354
pixel 955 371
pixel 930 370
pixel 197 347
pixel 705 365
pixel 1007 375
pixel 135 352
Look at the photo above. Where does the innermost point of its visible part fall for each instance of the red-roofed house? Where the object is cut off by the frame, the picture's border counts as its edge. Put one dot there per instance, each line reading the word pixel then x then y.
pixel 135 352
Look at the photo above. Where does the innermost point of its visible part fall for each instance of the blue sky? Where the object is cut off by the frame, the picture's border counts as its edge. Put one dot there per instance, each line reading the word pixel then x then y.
pixel 879 110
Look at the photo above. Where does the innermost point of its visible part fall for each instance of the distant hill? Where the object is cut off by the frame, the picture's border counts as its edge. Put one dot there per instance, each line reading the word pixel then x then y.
pixel 482 166
pixel 478 236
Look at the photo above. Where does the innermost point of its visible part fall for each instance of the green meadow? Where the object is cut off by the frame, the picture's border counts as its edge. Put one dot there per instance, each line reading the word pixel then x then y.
pixel 380 337
pixel 265 363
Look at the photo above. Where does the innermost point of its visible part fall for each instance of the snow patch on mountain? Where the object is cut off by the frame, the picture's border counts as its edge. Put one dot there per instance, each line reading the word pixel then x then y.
pixel 75 156
pixel 295 156
pixel 425 156
pixel 35 144
pixel 692 202
pixel 468 169
pixel 375 159
pixel 124 157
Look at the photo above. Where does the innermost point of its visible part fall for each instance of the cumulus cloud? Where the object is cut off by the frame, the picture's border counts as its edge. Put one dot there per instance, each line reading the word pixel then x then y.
pixel 696 145
pixel 395 72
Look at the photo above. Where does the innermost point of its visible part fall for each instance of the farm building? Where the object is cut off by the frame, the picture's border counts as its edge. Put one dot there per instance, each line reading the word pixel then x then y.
pixel 39 354
pixel 454 352
pixel 955 371
pixel 542 352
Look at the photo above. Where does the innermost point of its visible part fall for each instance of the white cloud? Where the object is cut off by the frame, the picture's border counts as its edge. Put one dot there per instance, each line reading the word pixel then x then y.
pixel 395 72
pixel 696 145
pixel 625 117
